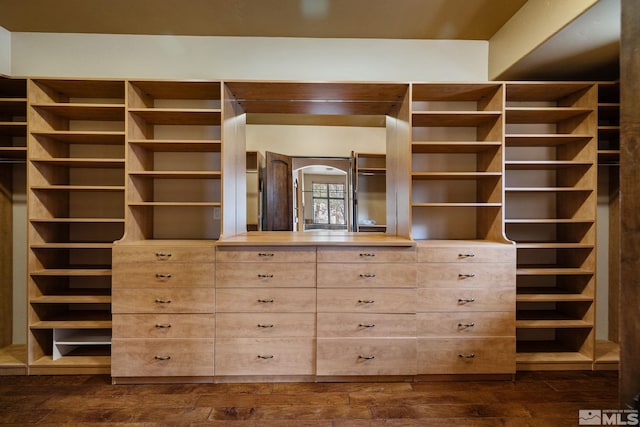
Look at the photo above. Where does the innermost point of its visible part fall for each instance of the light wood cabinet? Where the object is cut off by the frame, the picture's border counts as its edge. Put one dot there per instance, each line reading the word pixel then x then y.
pixel 76 181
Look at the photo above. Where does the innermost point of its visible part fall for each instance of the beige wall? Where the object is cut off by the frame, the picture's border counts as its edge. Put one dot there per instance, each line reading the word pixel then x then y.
pixel 187 57
pixel 5 52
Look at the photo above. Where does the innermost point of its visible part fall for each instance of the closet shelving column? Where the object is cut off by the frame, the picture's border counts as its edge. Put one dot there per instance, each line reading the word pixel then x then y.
pixel 369 191
pixel 550 212
pixel 75 212
pixel 456 172
pixel 13 153
pixel 174 167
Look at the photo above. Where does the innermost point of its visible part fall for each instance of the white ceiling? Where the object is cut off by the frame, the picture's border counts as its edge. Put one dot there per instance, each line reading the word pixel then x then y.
pixel 587 48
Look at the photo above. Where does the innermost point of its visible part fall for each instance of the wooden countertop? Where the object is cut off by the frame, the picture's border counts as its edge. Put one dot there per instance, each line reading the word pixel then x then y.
pixel 314 238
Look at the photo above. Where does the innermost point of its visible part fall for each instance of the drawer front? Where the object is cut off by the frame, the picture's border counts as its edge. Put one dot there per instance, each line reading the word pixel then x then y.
pixel 367 254
pixel 467 356
pixel 460 325
pixel 163 325
pixel 369 275
pixel 366 325
pixel 197 300
pixel 455 275
pixel 265 356
pixel 381 300
pixel 154 275
pixel 162 358
pixel 268 300
pixel 469 253
pixel 266 254
pixel 163 254
pixel 466 299
pixel 265 325
pixel 272 274
pixel 375 356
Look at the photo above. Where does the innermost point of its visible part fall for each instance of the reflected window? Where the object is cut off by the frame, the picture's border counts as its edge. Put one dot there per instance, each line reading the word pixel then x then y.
pixel 329 205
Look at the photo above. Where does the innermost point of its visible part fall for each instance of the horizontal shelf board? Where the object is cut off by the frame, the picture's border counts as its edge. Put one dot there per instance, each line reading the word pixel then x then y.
pixel 550 297
pixel 553 271
pixel 178 116
pixel 77 324
pixel 454 118
pixel 544 140
pixel 80 111
pixel 609 157
pixel 549 221
pixel 609 129
pixel 78 220
pixel 177 204
pixel 88 339
pixel 78 187
pixel 456 205
pixel 554 245
pixel 551 357
pixel 545 322
pixel 13 106
pixel 163 89
pixel 548 190
pixel 85 137
pixel 71 246
pixel 85 88
pixel 17 153
pixel 71 299
pixel 13 128
pixel 523 115
pixel 178 174
pixel 73 362
pixel 453 146
pixel 72 272
pixel 452 92
pixel 455 175
pixel 170 145
pixel 543 91
pixel 84 163
pixel 372 171
pixel 543 164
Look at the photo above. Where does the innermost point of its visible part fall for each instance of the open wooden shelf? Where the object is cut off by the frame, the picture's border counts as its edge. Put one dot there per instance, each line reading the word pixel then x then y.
pixel 84 137
pixel 171 145
pixel 454 146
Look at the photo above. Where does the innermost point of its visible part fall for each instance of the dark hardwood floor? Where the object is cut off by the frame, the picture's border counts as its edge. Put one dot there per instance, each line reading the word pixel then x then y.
pixel 543 399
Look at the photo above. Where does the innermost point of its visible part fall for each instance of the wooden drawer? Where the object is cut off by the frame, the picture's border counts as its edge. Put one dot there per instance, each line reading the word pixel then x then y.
pixel 163 254
pixel 367 254
pixel 369 275
pixel 380 300
pixel 466 299
pixel 374 356
pixel 265 325
pixel 466 252
pixel 196 300
pixel 154 275
pixel 266 254
pixel 274 274
pixel 163 325
pixel 162 357
pixel 467 356
pixel 459 325
pixel 366 325
pixel 476 274
pixel 265 356
pixel 268 300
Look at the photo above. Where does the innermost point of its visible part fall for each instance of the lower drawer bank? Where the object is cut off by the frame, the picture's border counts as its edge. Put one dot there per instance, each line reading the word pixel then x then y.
pixel 277 313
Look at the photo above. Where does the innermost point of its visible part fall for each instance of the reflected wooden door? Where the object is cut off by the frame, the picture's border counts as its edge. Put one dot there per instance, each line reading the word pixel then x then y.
pixel 279 193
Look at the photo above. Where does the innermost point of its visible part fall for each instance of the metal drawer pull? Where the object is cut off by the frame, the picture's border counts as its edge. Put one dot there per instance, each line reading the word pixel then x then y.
pixel 265 356
pixel 368 275
pixel 366 301
pixel 466 356
pixel 466 276
pixel 163 325
pixel 163 276
pixel 265 276
pixel 163 301
pixel 466 255
pixel 369 254
pixel 466 325
pixel 266 325
pixel 465 300
pixel 163 255
pixel 162 357
pixel 370 357
pixel 366 325
pixel 265 254
pixel 264 301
